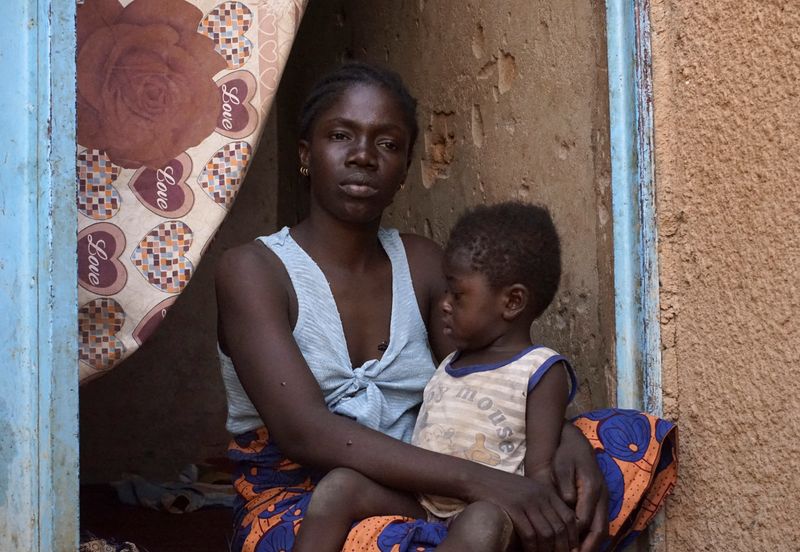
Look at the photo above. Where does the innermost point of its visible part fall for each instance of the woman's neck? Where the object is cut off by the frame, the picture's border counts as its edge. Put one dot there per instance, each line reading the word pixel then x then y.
pixel 331 242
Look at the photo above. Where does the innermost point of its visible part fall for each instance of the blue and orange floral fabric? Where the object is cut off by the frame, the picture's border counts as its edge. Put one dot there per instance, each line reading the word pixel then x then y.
pixel 635 452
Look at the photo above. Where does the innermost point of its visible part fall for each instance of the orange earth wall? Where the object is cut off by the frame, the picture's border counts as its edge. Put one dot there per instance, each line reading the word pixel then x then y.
pixel 726 76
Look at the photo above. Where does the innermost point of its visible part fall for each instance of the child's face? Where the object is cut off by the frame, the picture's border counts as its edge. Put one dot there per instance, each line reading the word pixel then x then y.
pixel 472 310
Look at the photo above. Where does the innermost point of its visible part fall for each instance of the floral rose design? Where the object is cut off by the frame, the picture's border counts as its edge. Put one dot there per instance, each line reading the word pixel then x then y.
pixel 145 80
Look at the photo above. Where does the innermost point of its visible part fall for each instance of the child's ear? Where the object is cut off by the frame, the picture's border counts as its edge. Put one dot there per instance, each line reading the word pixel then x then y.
pixel 517 297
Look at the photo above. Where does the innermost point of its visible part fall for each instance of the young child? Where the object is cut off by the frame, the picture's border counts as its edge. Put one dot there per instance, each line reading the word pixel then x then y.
pixel 498 399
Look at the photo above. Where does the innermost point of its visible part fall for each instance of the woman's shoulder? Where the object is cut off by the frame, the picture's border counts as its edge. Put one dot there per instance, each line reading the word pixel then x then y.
pixel 250 264
pixel 252 284
pixel 424 260
pixel 421 250
pixel 425 263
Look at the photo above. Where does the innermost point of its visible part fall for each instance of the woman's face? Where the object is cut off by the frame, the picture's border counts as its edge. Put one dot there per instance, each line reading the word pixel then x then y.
pixel 357 154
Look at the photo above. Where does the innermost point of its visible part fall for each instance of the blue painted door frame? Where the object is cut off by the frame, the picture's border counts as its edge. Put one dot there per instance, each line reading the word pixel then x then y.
pixel 38 267
pixel 636 285
pixel 38 271
pixel 638 340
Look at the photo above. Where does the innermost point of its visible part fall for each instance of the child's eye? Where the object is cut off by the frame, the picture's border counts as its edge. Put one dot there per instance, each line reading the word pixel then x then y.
pixel 389 145
pixel 452 294
pixel 338 136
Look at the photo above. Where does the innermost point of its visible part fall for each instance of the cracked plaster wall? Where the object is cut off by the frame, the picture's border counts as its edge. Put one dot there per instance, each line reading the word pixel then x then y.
pixel 726 76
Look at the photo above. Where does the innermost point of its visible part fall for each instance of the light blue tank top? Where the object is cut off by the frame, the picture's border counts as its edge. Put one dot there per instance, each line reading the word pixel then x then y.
pixel 383 394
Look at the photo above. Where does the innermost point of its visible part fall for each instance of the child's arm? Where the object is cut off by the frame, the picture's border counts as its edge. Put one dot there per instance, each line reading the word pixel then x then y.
pixel 546 405
pixel 544 418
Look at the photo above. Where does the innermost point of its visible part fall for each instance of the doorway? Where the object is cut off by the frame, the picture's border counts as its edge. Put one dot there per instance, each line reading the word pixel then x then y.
pixel 513 104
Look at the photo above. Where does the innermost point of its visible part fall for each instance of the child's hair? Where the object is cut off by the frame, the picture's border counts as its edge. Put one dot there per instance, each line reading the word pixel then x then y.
pixel 331 87
pixel 511 243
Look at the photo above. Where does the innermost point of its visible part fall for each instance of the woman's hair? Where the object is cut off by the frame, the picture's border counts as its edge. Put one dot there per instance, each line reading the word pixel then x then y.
pixel 331 87
pixel 511 243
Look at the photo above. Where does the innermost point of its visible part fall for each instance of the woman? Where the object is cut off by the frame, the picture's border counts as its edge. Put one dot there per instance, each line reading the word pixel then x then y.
pixel 328 325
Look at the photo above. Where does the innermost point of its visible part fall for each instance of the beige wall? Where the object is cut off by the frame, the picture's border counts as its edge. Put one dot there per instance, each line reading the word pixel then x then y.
pixel 727 79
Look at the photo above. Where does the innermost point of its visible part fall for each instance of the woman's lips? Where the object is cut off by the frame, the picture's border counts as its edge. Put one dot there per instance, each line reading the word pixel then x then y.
pixel 359 185
pixel 358 190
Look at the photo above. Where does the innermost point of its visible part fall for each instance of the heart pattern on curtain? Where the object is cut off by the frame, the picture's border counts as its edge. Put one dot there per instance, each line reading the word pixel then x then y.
pixel 172 98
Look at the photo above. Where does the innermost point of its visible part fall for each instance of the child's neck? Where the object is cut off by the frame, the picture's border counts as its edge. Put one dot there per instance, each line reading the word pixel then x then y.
pixel 503 348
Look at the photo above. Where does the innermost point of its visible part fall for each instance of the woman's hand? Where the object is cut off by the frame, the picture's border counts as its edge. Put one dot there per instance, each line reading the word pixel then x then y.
pixel 581 486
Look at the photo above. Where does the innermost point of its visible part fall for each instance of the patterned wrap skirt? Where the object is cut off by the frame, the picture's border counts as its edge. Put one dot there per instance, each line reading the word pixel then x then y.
pixel 636 453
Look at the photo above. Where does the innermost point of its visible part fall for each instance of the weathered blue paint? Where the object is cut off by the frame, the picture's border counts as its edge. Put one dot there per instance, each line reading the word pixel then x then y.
pixel 638 357
pixel 650 333
pixel 38 287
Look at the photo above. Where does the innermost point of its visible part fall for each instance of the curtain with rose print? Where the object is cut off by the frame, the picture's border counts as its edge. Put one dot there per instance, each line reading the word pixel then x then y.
pixel 172 97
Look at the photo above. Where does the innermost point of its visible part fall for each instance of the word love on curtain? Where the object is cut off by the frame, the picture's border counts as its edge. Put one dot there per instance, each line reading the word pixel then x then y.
pixel 172 97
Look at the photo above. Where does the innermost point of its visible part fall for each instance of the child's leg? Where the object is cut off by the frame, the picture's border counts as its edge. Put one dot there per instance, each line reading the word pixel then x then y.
pixel 481 527
pixel 343 497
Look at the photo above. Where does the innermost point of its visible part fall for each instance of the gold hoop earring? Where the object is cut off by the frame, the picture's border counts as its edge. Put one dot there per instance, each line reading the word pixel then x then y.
pixel 304 171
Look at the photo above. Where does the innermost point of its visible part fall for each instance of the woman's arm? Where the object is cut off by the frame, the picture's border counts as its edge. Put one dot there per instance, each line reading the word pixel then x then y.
pixel 581 485
pixel 254 301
